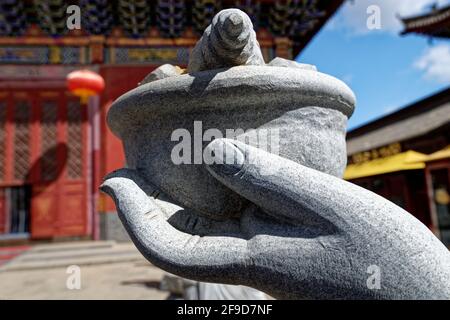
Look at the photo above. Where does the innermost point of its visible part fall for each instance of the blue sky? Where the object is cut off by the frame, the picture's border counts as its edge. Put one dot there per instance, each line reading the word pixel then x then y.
pixel 385 70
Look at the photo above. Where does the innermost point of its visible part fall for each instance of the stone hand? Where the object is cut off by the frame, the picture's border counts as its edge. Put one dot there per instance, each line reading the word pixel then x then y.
pixel 304 234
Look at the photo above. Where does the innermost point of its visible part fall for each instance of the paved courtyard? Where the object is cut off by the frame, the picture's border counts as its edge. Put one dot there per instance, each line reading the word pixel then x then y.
pixel 107 270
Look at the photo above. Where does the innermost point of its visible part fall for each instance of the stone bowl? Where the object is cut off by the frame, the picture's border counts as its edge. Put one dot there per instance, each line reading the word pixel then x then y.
pixel 308 110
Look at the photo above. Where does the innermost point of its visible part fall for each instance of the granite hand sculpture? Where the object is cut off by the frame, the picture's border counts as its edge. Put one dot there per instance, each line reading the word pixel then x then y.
pixel 283 222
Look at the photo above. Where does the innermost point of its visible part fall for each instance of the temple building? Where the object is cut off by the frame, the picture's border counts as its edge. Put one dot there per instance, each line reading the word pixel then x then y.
pixel 405 156
pixel 435 23
pixel 54 149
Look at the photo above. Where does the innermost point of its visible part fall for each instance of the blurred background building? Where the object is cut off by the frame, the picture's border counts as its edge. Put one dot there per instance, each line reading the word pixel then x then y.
pixel 54 149
pixel 405 156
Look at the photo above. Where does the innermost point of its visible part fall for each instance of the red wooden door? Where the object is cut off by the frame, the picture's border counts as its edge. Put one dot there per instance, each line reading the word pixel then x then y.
pixel 45 147
pixel 3 105
pixel 2 212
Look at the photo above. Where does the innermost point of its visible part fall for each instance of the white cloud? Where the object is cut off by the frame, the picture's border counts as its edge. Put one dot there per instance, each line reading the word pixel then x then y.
pixel 435 62
pixel 353 15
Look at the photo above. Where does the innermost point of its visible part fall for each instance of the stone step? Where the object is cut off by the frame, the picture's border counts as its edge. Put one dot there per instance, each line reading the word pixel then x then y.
pixel 64 263
pixel 75 254
pixel 63 255
pixel 9 253
pixel 76 245
pixel 6 251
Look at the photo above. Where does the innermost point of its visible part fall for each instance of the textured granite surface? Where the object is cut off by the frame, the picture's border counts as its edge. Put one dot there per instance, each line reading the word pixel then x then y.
pixel 283 222
pixel 164 71
pixel 307 109
pixel 229 41
pixel 304 234
pixel 281 62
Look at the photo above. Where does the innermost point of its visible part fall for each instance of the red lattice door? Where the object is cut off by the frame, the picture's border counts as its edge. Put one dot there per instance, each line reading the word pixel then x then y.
pixel 44 136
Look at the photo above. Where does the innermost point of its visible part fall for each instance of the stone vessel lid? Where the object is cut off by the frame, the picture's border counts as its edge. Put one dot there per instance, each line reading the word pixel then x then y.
pixel 233 88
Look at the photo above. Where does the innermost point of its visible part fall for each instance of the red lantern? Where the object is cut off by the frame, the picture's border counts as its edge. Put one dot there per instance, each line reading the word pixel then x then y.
pixel 85 83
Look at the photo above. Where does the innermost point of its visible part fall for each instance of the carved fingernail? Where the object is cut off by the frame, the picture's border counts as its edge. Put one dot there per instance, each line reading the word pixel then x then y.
pixel 228 158
pixel 233 24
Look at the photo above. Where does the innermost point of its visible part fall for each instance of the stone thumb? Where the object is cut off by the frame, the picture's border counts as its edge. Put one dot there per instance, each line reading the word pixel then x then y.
pixel 275 184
